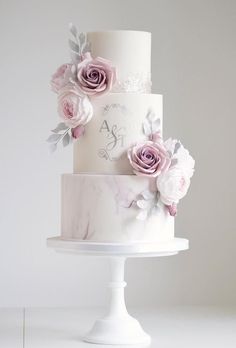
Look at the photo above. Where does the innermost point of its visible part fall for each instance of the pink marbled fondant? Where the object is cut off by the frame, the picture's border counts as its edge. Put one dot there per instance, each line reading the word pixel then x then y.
pixel 101 208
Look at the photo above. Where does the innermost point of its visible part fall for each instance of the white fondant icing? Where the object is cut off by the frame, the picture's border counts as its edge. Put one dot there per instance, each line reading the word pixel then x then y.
pixel 99 208
pixel 116 125
pixel 130 53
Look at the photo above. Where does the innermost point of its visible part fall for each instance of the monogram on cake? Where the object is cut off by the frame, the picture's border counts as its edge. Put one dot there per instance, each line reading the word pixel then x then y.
pixel 127 180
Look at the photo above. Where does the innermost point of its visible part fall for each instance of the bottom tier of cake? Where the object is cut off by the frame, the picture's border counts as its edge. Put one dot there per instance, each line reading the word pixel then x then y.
pixel 112 208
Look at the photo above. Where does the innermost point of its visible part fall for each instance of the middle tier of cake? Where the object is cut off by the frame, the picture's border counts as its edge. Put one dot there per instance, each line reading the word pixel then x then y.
pixel 116 125
pixel 111 208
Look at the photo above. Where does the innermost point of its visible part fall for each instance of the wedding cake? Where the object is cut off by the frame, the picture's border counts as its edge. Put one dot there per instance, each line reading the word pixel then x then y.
pixel 127 181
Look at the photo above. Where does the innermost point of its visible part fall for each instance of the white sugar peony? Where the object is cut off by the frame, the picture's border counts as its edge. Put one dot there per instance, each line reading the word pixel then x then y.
pixel 174 183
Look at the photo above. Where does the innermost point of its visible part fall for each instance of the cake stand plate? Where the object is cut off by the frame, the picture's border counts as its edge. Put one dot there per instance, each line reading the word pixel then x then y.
pixel 118 327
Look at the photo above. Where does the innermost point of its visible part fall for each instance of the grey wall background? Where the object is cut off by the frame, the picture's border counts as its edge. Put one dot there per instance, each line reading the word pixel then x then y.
pixel 193 65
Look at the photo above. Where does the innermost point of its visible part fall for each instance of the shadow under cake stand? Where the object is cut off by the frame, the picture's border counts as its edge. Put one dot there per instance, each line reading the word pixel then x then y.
pixel 118 327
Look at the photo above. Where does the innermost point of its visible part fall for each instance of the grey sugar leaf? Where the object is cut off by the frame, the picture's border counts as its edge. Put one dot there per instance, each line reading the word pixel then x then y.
pixel 156 125
pixel 86 47
pixel 151 116
pixel 75 57
pixel 52 148
pixel 174 161
pixel 82 39
pixel 53 138
pixel 155 210
pixel 74 46
pixel 60 127
pixel 73 29
pixel 146 127
pixel 66 140
pixel 177 146
pixel 147 194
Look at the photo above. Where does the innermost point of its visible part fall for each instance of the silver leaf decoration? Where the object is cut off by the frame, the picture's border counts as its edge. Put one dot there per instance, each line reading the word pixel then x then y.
pixel 146 127
pixel 156 125
pixel 82 39
pixel 87 47
pixel 52 148
pixel 155 210
pixel 73 29
pixel 78 45
pixel 151 116
pixel 53 138
pixel 75 57
pixel 174 161
pixel 151 124
pixel 74 46
pixel 60 127
pixel 177 146
pixel 66 140
pixel 147 194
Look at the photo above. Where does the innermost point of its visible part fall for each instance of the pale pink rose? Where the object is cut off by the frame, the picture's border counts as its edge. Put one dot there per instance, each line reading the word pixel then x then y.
pixel 73 107
pixel 62 77
pixel 148 158
pixel 173 185
pixel 95 76
pixel 77 131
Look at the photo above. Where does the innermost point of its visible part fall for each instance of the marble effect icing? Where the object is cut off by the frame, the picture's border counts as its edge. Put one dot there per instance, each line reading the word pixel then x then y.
pixel 99 208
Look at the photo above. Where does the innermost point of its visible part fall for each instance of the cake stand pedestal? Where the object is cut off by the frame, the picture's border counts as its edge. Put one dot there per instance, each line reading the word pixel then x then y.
pixel 118 327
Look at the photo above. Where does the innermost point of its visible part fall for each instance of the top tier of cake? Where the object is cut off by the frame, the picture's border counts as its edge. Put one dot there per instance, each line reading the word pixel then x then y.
pixel 130 53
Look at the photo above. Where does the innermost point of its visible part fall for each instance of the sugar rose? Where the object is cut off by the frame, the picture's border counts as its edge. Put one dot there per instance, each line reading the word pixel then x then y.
pixel 149 158
pixel 73 107
pixel 173 185
pixel 95 77
pixel 62 77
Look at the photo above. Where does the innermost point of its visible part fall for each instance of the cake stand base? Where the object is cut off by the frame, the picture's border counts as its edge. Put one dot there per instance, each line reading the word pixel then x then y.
pixel 118 327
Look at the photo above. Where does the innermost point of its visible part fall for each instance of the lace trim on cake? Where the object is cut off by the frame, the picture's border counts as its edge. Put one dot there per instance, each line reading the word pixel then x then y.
pixel 138 83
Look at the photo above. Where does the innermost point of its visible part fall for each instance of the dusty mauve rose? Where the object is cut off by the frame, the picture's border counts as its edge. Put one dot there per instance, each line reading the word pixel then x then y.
pixel 73 107
pixel 62 77
pixel 173 185
pixel 148 158
pixel 77 131
pixel 95 76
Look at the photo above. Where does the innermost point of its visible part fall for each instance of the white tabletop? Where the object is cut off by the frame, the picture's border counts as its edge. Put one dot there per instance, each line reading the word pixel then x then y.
pixel 176 327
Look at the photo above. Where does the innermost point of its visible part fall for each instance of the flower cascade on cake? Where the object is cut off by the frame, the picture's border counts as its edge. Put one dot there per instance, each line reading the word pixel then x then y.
pixel 75 83
pixel 168 165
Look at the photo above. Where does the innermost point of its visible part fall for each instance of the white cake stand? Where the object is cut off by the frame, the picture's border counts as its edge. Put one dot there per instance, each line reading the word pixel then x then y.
pixel 118 327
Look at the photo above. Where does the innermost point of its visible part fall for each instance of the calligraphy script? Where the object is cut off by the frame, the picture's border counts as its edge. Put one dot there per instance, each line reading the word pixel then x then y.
pixel 115 138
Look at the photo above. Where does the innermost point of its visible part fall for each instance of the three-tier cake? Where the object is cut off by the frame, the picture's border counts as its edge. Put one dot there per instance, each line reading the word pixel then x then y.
pixel 127 180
